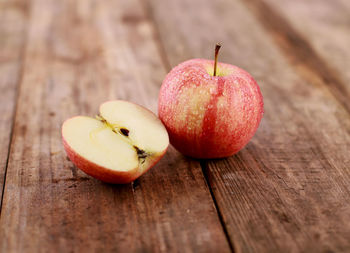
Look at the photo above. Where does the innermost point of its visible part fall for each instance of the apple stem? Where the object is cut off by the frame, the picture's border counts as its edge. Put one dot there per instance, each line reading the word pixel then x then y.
pixel 217 48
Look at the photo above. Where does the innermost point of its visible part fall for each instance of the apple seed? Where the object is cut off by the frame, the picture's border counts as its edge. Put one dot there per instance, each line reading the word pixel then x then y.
pixel 124 131
pixel 140 153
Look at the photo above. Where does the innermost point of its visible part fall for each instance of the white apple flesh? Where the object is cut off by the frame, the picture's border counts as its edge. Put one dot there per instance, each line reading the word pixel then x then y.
pixel 117 146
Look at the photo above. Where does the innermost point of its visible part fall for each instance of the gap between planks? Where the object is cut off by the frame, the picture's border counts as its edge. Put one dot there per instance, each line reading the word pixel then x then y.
pixel 204 166
pixel 156 35
pixel 21 59
pixel 168 67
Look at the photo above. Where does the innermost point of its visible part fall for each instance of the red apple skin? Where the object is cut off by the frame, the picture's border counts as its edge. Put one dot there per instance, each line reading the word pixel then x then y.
pixel 105 174
pixel 209 116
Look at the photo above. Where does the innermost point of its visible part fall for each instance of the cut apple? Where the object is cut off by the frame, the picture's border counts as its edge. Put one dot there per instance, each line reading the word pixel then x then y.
pixel 117 146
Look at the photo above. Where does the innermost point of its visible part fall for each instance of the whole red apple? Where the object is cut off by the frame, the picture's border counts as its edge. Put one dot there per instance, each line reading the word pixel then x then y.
pixel 210 109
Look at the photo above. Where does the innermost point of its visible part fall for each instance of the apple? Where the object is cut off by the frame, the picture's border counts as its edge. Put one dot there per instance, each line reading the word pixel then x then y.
pixel 117 146
pixel 210 109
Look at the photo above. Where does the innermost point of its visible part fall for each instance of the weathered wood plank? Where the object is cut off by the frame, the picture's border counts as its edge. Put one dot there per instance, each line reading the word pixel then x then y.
pixel 326 26
pixel 12 40
pixel 288 190
pixel 79 54
pixel 314 36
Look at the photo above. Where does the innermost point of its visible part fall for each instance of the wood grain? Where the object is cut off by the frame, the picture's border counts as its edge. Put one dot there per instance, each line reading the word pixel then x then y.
pixel 12 41
pixel 307 53
pixel 79 54
pixel 288 190
pixel 325 25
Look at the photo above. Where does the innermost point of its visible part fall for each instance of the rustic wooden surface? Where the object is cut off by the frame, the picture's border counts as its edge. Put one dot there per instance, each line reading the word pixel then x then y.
pixel 287 191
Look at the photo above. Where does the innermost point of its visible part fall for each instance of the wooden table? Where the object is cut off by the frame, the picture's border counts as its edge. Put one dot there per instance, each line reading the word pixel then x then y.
pixel 288 190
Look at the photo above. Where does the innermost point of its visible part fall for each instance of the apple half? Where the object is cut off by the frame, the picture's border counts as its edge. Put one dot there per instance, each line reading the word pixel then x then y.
pixel 117 146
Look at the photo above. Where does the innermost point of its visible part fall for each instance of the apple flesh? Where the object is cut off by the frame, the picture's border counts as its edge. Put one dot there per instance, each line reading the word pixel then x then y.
pixel 117 146
pixel 209 116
